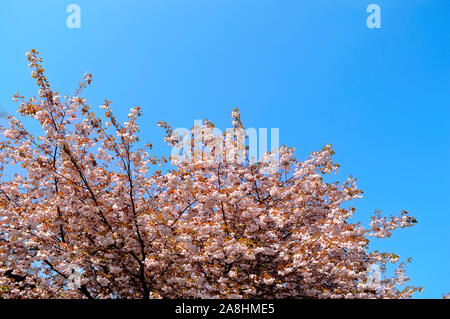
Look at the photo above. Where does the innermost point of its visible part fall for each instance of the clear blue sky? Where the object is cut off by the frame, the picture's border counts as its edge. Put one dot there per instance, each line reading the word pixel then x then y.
pixel 311 68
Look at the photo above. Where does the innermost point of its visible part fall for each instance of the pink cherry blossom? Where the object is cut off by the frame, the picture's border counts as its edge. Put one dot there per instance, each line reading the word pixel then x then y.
pixel 89 195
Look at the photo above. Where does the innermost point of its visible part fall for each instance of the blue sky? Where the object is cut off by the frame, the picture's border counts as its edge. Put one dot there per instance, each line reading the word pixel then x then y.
pixel 310 68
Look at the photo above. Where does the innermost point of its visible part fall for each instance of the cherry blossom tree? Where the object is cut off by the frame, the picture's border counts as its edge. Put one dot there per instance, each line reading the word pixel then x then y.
pixel 89 200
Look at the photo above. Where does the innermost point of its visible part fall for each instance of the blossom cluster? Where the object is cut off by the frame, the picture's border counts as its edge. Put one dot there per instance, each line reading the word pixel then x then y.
pixel 89 195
